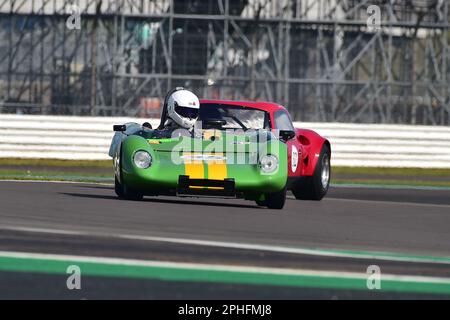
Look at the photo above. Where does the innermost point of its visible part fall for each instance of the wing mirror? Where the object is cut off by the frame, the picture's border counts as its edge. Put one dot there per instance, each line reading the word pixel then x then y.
pixel 147 125
pixel 120 128
pixel 287 135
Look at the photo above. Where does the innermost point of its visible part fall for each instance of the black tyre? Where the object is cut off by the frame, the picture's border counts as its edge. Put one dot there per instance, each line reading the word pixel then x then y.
pixel 124 192
pixel 275 200
pixel 316 187
pixel 119 189
pixel 131 194
pixel 261 203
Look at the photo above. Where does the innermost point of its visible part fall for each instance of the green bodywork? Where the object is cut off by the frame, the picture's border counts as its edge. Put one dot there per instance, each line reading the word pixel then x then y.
pixel 225 156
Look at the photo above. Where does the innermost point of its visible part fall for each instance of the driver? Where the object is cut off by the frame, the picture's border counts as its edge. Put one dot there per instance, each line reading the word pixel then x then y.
pixel 180 111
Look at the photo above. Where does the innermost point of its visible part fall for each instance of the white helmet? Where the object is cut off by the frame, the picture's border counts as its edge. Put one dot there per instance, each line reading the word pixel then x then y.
pixel 183 107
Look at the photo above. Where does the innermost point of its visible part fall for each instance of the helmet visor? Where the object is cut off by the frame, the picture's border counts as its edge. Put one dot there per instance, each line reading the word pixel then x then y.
pixel 186 112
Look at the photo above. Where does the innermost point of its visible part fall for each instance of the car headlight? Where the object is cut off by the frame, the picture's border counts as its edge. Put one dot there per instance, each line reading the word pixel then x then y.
pixel 142 159
pixel 268 164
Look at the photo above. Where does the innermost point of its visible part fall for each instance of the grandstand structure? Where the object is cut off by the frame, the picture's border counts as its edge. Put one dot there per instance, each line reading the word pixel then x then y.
pixel 319 58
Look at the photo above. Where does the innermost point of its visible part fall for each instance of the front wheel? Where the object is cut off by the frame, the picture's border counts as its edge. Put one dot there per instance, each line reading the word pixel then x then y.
pixel 126 193
pixel 274 201
pixel 119 189
pixel 316 187
pixel 122 191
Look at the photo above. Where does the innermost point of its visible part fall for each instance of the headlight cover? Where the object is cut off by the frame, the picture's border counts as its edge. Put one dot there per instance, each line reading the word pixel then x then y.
pixel 143 159
pixel 268 164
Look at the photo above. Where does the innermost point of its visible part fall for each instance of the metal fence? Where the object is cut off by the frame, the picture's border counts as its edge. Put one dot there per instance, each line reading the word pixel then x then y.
pixel 319 58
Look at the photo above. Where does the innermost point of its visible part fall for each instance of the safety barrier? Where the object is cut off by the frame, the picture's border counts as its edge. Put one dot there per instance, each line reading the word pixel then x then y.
pixel 88 138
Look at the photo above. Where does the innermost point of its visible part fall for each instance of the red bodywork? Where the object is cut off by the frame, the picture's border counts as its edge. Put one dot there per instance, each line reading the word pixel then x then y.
pixel 307 142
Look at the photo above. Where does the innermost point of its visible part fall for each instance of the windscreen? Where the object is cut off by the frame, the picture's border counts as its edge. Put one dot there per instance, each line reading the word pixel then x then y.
pixel 235 117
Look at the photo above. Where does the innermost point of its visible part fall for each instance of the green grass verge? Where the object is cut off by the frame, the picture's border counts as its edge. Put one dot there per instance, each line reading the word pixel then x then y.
pixel 55 176
pixel 416 172
pixel 55 163
pixel 85 171
pixel 54 173
pixel 59 179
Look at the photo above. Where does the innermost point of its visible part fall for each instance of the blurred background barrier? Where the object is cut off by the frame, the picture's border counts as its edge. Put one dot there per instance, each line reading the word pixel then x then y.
pixel 359 145
pixel 321 59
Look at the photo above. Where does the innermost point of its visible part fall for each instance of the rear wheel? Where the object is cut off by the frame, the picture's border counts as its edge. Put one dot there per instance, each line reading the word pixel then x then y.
pixel 316 187
pixel 274 201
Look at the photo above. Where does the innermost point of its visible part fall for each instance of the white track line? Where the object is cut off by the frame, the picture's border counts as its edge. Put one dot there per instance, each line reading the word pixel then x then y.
pixel 220 268
pixel 390 203
pixel 242 246
pixel 380 187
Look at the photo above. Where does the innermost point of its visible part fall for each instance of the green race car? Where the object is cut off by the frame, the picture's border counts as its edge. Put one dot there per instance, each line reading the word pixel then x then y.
pixel 210 162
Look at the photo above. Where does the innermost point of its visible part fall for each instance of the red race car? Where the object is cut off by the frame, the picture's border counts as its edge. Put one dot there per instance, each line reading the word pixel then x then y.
pixel 309 154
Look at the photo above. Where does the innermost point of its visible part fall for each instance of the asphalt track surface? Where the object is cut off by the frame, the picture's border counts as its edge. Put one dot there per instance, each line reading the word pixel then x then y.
pixel 88 220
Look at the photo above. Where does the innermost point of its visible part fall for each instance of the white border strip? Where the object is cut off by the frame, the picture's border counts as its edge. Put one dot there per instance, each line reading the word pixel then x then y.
pixel 221 268
pixel 242 246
